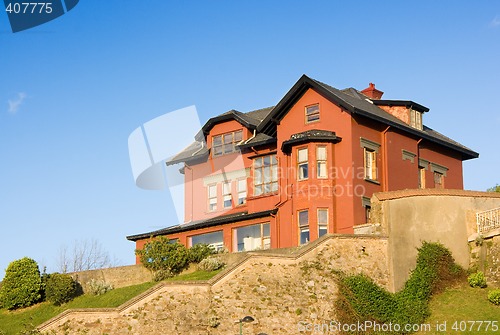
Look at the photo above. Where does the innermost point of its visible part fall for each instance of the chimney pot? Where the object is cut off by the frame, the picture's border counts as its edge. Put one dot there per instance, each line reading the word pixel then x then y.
pixel 372 93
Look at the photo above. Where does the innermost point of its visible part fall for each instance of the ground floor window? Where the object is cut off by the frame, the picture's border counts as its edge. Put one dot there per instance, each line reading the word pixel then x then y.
pixel 254 237
pixel 304 227
pixel 214 240
pixel 322 221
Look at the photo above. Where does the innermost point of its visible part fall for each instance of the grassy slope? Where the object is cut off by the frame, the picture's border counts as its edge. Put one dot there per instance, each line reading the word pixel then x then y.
pixel 463 303
pixel 13 322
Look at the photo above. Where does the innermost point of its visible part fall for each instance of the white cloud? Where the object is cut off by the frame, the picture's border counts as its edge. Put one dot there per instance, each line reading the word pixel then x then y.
pixel 15 104
pixel 495 22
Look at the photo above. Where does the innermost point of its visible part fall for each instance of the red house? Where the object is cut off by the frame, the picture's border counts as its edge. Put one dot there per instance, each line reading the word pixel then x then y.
pixel 285 175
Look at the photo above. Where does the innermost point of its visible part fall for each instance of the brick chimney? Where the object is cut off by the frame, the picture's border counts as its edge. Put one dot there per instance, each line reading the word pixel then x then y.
pixel 372 93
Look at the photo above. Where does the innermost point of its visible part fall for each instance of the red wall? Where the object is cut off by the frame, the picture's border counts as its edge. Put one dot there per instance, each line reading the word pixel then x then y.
pixel 341 193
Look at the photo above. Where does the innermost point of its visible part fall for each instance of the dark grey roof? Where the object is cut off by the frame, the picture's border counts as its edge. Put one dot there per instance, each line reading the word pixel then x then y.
pixel 308 136
pixel 264 120
pixel 260 114
pixel 194 151
pixel 222 219
pixel 356 103
pixel 259 139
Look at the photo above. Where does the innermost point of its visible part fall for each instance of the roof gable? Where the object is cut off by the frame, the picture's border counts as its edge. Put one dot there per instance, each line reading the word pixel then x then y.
pixel 356 103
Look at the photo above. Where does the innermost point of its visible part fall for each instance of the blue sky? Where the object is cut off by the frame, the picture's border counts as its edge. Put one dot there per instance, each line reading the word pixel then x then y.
pixel 72 90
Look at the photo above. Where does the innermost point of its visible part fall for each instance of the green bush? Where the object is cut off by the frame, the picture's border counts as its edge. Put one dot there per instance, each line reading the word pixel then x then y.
pixel 60 288
pixel 21 285
pixel 477 280
pixel 211 264
pixel 363 300
pixel 494 296
pixel 159 254
pixel 98 287
pixel 199 252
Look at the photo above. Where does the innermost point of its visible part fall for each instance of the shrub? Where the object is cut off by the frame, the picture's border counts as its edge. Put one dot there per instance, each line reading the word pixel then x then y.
pixel 21 285
pixel 60 288
pixel 159 254
pixel 211 264
pixel 361 299
pixel 98 287
pixel 477 280
pixel 162 275
pixel 199 252
pixel 494 296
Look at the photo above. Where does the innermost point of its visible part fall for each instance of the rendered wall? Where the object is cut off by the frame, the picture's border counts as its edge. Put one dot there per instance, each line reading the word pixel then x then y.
pixel 412 216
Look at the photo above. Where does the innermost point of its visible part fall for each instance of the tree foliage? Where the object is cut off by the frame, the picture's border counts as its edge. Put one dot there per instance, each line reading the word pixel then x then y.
pixel 362 300
pixel 160 255
pixel 495 188
pixel 21 285
pixel 60 288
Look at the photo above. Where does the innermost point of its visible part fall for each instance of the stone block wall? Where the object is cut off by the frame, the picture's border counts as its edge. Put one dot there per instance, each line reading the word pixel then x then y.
pixel 119 277
pixel 278 290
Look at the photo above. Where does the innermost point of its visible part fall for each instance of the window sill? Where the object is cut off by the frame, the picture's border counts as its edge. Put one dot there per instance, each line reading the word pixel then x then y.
pixel 372 181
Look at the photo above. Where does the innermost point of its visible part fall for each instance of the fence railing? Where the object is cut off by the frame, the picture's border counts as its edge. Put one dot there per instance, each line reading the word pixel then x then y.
pixel 488 220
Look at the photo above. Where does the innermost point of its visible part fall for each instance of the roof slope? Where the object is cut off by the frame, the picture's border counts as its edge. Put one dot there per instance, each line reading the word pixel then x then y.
pixel 264 120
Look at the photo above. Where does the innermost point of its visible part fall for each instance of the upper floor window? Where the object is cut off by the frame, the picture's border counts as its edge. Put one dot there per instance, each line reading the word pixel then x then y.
pixel 242 191
pixel 416 119
pixel 312 113
pixel 226 195
pixel 438 180
pixel 302 164
pixel 370 164
pixel 265 174
pixel 226 143
pixel 321 161
pixel 212 197
pixel 370 150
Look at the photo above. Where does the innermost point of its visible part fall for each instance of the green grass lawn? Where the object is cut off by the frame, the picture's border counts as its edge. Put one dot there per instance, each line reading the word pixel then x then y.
pixel 11 323
pixel 463 303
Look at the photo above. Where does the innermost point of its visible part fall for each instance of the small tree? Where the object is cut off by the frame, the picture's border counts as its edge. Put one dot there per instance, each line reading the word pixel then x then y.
pixel 60 288
pixel 21 285
pixel 495 188
pixel 199 252
pixel 161 255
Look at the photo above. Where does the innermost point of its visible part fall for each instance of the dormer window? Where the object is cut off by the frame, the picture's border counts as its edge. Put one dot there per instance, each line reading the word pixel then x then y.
pixel 226 143
pixel 416 119
pixel 312 113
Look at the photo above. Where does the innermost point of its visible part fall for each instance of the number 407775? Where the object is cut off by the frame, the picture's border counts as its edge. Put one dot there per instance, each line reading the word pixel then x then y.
pixel 29 7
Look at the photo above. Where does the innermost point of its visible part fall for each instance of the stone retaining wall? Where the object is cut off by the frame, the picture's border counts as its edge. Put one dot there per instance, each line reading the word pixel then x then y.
pixel 277 290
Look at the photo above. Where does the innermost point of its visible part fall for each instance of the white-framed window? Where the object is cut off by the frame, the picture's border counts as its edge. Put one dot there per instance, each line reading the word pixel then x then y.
pixel 265 175
pixel 312 113
pixel 416 119
pixel 370 164
pixel 421 177
pixel 370 151
pixel 302 164
pixel 438 180
pixel 242 191
pixel 303 218
pixel 321 161
pixel 226 143
pixel 226 195
pixel 322 221
pixel 212 197
pixel 214 239
pixel 368 208
pixel 253 237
